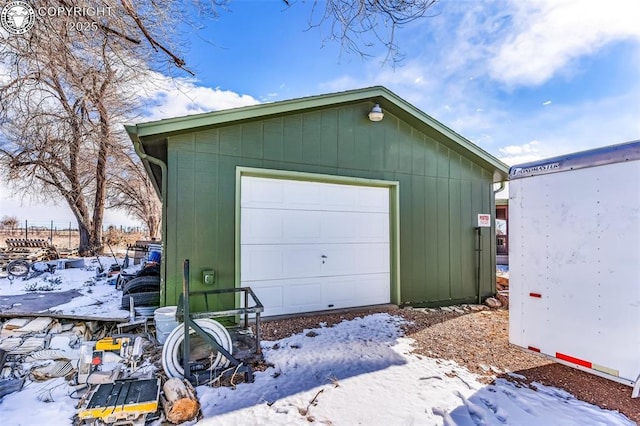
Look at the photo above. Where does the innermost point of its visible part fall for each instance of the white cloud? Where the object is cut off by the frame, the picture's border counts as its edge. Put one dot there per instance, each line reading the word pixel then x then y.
pixel 453 82
pixel 550 34
pixel 516 154
pixel 569 128
pixel 412 81
pixel 170 98
pixel 270 97
pixel 527 148
pixel 166 98
pixel 447 80
pixel 342 83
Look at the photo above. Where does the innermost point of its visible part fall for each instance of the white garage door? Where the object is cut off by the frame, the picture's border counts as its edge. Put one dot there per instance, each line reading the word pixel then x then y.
pixel 310 246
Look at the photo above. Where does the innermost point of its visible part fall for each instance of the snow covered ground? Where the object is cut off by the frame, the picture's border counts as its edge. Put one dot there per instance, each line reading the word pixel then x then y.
pixel 362 372
pixel 98 298
pixel 356 372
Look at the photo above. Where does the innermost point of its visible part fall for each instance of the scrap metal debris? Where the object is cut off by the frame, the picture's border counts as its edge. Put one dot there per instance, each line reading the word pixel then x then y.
pixel 17 256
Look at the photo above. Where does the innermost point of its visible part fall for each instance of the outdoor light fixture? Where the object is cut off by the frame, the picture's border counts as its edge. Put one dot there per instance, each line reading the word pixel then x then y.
pixel 376 113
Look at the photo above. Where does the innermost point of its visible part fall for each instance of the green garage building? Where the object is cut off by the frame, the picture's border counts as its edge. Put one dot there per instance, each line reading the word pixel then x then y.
pixel 317 204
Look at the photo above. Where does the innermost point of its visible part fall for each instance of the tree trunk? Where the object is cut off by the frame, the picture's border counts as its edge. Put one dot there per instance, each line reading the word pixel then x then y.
pixel 153 223
pixel 101 167
pixel 84 246
pixel 181 403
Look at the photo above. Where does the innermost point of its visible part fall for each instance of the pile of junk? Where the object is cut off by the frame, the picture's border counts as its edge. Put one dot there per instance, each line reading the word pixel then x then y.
pixel 145 368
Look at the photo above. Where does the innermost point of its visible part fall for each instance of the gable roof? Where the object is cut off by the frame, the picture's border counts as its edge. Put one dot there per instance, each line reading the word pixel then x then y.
pixel 152 135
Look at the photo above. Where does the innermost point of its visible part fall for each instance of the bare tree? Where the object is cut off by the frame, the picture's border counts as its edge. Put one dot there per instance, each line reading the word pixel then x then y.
pixel 132 191
pixel 59 109
pixel 9 222
pixel 74 79
pixel 70 84
pixel 359 25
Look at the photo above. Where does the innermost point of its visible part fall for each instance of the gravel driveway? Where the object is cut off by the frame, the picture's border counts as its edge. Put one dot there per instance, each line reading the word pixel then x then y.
pixel 479 340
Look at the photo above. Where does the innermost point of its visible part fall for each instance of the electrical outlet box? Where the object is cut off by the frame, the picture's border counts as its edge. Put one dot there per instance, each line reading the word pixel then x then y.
pixel 209 277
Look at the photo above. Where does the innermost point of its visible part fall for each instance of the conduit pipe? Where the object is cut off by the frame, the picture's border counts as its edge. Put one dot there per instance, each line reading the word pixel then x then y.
pixel 137 146
pixel 172 350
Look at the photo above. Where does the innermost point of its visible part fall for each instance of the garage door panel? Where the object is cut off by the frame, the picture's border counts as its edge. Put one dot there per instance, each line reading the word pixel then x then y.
pixel 270 262
pixel 288 296
pixel 373 228
pixel 344 292
pixel 355 259
pixel 338 197
pixel 340 293
pixel 302 262
pixel 300 226
pixel 372 199
pixel 304 296
pixel 341 259
pixel 261 226
pixel 316 294
pixel 262 192
pixel 271 296
pixel 354 227
pixel 322 245
pixel 373 289
pixel 300 195
pixel 339 227
pixel 262 262
pixel 375 259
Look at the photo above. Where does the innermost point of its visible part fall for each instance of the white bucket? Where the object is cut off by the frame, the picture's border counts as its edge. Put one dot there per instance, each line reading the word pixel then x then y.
pixel 165 321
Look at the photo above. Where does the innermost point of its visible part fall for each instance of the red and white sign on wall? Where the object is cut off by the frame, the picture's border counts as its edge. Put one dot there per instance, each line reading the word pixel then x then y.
pixel 484 221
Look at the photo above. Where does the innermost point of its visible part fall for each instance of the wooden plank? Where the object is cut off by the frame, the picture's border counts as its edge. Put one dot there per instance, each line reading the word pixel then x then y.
pixel 182 404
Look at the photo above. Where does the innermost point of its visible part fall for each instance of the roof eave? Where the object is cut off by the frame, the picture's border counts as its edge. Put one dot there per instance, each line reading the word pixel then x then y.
pixel 132 131
pixel 375 94
pixel 189 122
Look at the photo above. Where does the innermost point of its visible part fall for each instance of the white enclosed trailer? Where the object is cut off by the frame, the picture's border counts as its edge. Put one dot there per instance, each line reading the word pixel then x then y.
pixel 574 260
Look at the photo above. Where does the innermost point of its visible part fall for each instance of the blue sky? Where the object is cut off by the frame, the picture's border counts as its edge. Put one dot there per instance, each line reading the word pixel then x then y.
pixel 523 79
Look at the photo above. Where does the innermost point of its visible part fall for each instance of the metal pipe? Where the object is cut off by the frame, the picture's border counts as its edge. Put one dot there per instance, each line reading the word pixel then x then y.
pixel 137 146
pixel 186 347
pixel 246 312
pixel 500 188
pixel 258 347
pixel 479 264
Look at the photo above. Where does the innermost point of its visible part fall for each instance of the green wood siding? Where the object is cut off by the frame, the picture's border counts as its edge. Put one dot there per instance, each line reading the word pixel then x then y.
pixel 441 193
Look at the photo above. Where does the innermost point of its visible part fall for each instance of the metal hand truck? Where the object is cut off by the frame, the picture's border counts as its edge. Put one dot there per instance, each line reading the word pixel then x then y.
pixel 193 371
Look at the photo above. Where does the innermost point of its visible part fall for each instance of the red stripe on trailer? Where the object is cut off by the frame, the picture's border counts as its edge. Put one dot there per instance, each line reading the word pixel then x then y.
pixel 578 361
pixel 531 348
pixel 535 295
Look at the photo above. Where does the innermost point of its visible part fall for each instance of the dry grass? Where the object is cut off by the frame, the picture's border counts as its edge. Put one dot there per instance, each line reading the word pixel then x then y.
pixel 68 239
